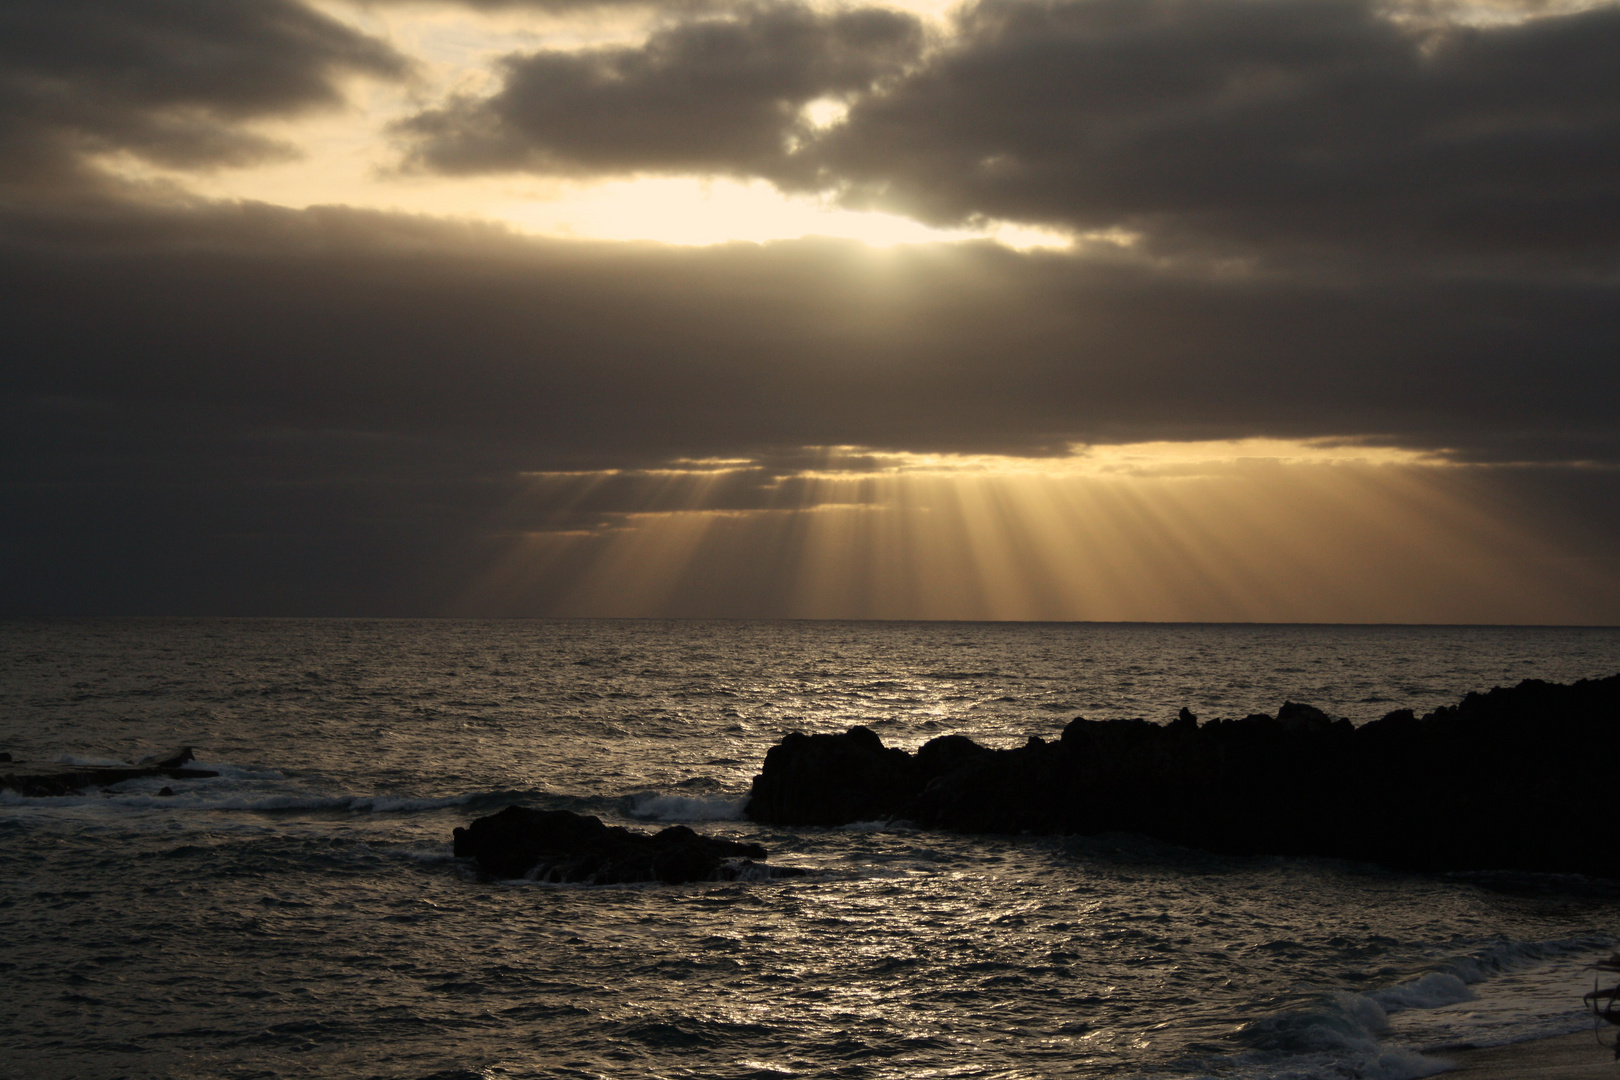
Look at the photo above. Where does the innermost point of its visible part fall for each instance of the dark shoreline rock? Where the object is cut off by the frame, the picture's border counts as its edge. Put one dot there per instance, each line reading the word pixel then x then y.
pixel 1507 780
pixel 72 781
pixel 560 846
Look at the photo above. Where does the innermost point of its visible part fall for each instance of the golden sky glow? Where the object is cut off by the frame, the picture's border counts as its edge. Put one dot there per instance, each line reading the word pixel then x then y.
pixel 1250 530
pixel 345 157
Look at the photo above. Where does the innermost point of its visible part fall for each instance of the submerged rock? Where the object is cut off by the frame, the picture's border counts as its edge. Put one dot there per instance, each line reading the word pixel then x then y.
pixel 40 784
pixel 559 846
pixel 1501 780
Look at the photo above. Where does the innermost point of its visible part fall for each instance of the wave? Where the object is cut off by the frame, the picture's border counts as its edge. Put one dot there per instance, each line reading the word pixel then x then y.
pixel 1508 956
pixel 74 761
pixel 1340 1037
pixel 1429 992
pixel 226 794
pixel 1348 1034
pixel 256 789
pixel 656 806
pixel 353 804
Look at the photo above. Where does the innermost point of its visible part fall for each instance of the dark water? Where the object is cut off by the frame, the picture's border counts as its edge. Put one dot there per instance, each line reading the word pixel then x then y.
pixel 301 916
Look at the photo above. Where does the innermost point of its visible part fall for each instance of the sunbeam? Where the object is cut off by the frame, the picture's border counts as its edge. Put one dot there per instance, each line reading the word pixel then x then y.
pixel 1244 531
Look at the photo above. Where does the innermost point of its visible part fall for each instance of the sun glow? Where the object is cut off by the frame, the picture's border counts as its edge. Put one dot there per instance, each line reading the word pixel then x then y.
pixel 347 157
pixel 1250 530
pixel 1135 458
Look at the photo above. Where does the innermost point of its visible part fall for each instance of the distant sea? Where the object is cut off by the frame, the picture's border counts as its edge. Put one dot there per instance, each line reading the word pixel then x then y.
pixel 301 915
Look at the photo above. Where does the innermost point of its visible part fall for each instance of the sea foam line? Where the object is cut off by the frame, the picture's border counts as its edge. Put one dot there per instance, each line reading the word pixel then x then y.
pixel 656 806
pixel 1343 1033
pixel 259 803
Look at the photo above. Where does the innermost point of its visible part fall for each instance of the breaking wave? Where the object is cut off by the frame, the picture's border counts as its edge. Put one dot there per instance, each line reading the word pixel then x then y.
pixel 656 806
pixel 1345 1034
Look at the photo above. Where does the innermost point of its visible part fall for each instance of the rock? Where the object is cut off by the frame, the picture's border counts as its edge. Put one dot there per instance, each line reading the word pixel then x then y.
pixel 560 846
pixel 1295 717
pixel 174 759
pixel 4 756
pixel 166 792
pixel 71 781
pixel 834 780
pixel 1494 782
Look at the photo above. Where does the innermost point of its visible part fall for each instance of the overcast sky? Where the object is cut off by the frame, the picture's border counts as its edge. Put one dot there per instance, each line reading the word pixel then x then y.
pixel 1119 309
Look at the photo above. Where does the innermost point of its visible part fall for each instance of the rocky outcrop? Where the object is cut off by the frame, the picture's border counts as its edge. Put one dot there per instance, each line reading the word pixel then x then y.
pixel 833 779
pixel 560 846
pixel 40 784
pixel 1503 780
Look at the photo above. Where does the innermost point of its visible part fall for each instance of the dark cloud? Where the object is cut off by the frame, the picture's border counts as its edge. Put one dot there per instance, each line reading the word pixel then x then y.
pixel 168 80
pixel 571 6
pixel 1282 129
pixel 718 93
pixel 336 320
pixel 1258 125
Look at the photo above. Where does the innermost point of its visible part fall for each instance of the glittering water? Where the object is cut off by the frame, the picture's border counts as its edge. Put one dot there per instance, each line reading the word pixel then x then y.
pixel 301 916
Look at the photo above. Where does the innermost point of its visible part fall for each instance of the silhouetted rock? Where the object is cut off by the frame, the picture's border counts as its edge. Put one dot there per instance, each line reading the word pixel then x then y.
pixel 174 759
pixel 1499 781
pixel 39 784
pixel 559 846
pixel 834 779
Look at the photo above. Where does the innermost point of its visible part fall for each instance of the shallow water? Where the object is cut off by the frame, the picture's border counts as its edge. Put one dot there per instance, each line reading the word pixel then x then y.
pixel 301 916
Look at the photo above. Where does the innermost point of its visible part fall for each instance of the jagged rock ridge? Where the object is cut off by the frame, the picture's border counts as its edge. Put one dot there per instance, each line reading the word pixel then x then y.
pixel 1502 780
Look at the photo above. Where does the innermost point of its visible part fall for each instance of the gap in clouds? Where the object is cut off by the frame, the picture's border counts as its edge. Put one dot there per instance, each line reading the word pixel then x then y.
pixel 345 155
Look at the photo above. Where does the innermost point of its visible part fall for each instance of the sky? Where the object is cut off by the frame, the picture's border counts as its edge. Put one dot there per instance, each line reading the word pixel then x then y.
pixel 1161 310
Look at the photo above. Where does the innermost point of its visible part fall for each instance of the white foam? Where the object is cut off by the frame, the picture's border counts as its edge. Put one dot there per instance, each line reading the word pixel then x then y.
pixel 358 804
pixel 1429 992
pixel 654 806
pixel 205 799
pixel 1506 993
pixel 1518 991
pixel 1510 956
pixel 1339 1039
pixel 76 762
pixel 753 871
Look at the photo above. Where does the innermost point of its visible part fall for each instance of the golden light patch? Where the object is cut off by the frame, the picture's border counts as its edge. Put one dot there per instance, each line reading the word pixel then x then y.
pixel 698 211
pixel 1162 457
pixel 346 156
pixel 1242 530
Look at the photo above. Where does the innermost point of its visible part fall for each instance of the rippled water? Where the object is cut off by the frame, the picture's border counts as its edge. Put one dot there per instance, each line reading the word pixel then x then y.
pixel 301 916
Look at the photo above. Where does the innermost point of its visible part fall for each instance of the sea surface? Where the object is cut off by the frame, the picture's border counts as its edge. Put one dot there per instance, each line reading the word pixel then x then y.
pixel 301 915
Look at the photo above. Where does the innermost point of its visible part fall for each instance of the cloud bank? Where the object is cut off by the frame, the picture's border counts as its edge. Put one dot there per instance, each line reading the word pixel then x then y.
pixel 1272 129
pixel 169 81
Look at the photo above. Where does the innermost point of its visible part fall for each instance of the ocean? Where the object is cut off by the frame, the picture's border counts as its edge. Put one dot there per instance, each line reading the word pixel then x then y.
pixel 301 914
